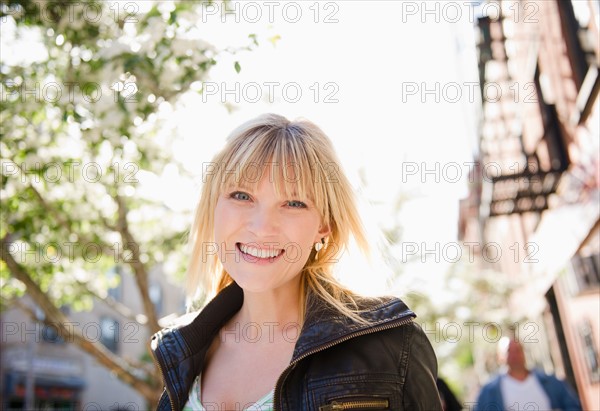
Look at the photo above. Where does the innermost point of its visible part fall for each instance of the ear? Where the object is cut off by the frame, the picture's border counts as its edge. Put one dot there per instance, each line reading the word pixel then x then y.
pixel 324 231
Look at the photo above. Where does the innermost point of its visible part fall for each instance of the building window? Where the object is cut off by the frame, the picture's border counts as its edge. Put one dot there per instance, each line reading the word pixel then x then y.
pixel 50 332
pixel 586 272
pixel 590 352
pixel 156 296
pixel 109 329
pixel 114 279
pixel 553 137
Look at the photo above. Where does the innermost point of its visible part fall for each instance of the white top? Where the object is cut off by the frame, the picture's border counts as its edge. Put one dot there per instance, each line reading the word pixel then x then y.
pixel 195 403
pixel 523 395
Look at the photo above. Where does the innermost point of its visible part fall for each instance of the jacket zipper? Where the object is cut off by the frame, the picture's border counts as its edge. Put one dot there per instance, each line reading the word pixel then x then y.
pixel 361 405
pixel 155 358
pixel 327 346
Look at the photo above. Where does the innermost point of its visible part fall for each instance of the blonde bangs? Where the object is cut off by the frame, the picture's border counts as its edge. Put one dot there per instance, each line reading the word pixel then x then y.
pixel 295 170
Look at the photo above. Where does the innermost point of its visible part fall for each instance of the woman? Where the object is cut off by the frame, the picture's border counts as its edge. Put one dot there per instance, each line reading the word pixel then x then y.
pixel 275 214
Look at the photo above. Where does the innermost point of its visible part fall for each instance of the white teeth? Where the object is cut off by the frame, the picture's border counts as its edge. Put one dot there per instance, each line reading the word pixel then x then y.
pixel 255 252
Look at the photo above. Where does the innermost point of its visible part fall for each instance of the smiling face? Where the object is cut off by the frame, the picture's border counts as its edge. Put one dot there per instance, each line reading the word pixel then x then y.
pixel 298 163
pixel 264 237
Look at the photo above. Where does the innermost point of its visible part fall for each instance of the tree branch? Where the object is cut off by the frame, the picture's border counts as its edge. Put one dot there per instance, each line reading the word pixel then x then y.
pixel 73 333
pixel 119 308
pixel 141 274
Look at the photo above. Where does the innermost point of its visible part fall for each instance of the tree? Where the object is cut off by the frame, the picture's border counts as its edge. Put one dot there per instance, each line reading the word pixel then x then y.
pixel 86 88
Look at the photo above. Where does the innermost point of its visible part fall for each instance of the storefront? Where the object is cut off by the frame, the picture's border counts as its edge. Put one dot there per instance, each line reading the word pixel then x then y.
pixel 56 383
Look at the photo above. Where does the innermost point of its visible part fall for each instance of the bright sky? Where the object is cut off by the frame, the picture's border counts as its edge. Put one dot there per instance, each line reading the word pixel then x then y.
pixel 368 61
pixel 393 84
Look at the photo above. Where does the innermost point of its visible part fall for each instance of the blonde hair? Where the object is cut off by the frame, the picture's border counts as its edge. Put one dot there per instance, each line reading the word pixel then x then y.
pixel 273 141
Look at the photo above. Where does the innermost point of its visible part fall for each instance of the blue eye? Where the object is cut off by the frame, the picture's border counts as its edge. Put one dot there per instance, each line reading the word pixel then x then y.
pixel 296 204
pixel 239 195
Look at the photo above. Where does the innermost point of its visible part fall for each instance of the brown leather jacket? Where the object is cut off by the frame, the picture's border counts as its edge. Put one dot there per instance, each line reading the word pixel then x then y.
pixel 337 364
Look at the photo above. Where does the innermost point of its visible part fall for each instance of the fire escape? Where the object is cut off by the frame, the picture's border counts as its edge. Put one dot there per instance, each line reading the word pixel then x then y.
pixel 524 182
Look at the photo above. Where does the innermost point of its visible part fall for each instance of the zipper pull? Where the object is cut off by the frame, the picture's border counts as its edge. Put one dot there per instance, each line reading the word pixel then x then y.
pixel 356 404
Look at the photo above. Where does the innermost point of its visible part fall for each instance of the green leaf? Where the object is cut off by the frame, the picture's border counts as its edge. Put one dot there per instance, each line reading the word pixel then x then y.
pixel 274 39
pixel 237 67
pixel 253 38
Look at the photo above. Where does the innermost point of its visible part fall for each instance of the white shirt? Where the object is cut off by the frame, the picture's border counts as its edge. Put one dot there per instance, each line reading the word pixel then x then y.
pixel 195 402
pixel 526 395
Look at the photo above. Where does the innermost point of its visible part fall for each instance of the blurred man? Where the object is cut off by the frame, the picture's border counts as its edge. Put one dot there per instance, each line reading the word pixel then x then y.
pixel 523 389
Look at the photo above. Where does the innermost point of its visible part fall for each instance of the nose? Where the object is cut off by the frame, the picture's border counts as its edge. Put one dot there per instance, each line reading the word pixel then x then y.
pixel 264 222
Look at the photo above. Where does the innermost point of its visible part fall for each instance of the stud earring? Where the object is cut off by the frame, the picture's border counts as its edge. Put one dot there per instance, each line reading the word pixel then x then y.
pixel 318 247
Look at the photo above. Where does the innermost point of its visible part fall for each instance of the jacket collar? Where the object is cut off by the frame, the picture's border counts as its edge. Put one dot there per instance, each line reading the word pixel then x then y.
pixel 187 342
pixel 324 326
pixel 323 323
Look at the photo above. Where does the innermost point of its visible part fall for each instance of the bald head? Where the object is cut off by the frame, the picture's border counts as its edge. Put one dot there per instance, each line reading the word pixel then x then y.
pixel 511 353
pixel 515 356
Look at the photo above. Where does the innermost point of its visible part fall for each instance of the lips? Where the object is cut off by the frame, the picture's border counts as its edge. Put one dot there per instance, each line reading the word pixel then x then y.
pixel 257 255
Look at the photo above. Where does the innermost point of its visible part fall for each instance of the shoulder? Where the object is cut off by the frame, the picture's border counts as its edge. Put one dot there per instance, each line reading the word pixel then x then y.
pixel 386 304
pixel 169 340
pixel 559 391
pixel 492 385
pixel 385 309
pixel 490 396
pixel 544 378
pixel 386 318
pixel 369 314
pixel 402 338
pixel 174 324
pixel 390 318
pixel 181 321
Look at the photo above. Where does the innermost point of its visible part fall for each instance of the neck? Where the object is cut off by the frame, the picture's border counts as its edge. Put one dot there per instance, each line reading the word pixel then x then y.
pixel 276 308
pixel 518 373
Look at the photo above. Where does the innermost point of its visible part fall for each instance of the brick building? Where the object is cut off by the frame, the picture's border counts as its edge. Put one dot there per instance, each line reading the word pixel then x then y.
pixel 537 192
